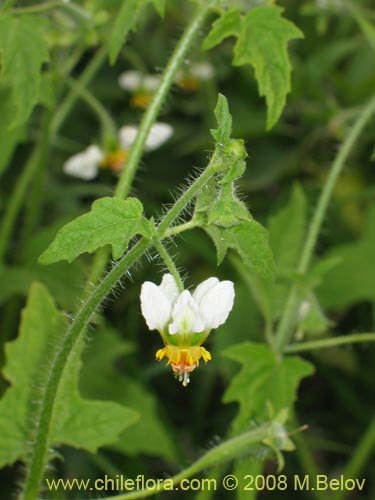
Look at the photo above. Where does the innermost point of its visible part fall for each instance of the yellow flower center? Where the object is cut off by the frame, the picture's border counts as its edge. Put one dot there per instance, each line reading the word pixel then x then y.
pixel 183 360
pixel 140 100
pixel 188 83
pixel 115 160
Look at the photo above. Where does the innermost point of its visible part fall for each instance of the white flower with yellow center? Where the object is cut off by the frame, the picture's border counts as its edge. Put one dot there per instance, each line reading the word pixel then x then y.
pixel 85 165
pixel 184 320
pixel 141 87
pixel 191 77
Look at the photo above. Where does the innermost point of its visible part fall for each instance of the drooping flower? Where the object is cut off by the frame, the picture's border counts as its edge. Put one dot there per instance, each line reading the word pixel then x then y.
pixel 185 320
pixel 192 76
pixel 86 165
pixel 141 87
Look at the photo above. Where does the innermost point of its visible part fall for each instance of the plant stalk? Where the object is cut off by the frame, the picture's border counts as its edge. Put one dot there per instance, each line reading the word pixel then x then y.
pixel 285 329
pixel 39 457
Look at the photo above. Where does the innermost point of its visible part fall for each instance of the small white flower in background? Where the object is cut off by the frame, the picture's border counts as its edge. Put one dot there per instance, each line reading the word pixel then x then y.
pixel 85 165
pixel 142 87
pixel 191 77
pixel 184 320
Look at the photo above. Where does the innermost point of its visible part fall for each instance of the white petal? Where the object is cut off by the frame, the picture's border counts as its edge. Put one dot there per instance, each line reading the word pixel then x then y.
pixel 159 133
pixel 127 135
pixel 155 306
pixel 169 287
pixel 203 288
pixel 94 154
pixel 84 165
pixel 130 80
pixel 216 304
pixel 185 316
pixel 150 82
pixel 202 70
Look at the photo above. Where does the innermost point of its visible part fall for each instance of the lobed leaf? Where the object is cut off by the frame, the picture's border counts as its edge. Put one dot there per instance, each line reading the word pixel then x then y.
pixel 224 119
pixel 262 43
pixel 228 24
pixel 263 380
pixel 29 359
pixel 111 221
pixel 250 240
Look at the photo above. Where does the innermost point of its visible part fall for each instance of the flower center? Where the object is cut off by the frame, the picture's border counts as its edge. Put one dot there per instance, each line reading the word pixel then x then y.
pixel 140 100
pixel 188 83
pixel 183 360
pixel 115 160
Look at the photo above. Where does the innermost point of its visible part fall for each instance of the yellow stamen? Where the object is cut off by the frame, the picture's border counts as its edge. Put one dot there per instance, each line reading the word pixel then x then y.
pixel 188 83
pixel 115 160
pixel 183 360
pixel 140 100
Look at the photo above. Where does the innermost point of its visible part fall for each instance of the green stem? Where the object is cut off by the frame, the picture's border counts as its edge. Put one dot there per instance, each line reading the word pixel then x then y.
pixel 127 176
pixel 359 457
pixel 285 329
pixel 228 450
pixel 177 58
pixel 74 334
pixel 108 125
pixel 325 343
pixel 18 195
pixel 173 231
pixel 35 199
pixel 87 75
pixel 169 263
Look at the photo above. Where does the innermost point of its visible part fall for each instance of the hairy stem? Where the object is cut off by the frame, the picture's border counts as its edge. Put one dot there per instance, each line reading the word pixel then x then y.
pixel 285 329
pixel 125 182
pixel 39 455
pixel 228 450
pixel 169 263
pixel 332 342
pixel 127 176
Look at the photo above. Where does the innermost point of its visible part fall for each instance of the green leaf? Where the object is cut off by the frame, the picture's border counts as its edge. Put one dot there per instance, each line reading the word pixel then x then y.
pixel 263 44
pixel 227 210
pixel 126 20
pixel 352 279
pixel 102 379
pixel 111 221
pixel 287 231
pixel 311 318
pixel 29 359
pixel 159 6
pixel 250 240
pixel 224 119
pixel 229 24
pixel 263 380
pixel 84 423
pixel 23 50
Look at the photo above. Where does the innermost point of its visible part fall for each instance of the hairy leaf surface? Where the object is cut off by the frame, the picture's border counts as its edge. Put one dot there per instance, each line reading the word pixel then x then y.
pixel 111 221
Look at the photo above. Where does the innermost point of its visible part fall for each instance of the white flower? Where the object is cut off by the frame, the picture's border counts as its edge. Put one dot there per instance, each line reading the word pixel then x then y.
pixel 134 80
pixel 202 70
pixel 158 135
pixel 84 165
pixel 183 314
